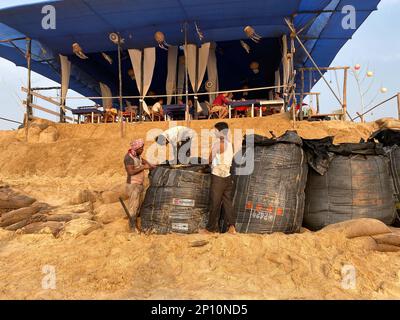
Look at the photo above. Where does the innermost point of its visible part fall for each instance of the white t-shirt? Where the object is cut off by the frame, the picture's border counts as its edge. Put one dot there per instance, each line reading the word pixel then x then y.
pixel 222 162
pixel 178 134
pixel 156 107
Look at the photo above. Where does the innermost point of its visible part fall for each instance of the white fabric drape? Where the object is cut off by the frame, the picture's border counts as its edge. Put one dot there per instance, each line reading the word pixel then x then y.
pixel 65 76
pixel 170 85
pixel 191 55
pixel 212 72
pixel 136 60
pixel 204 52
pixel 149 62
pixel 106 92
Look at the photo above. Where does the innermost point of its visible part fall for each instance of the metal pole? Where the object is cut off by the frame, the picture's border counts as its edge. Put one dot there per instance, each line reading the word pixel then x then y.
pixel 313 61
pixel 120 86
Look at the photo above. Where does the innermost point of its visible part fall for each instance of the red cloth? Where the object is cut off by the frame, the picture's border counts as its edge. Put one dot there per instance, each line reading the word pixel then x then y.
pixel 220 100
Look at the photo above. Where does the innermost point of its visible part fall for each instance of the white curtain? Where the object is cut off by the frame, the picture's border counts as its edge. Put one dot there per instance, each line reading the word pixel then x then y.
pixel 106 92
pixel 65 76
pixel 171 78
pixel 204 52
pixel 212 71
pixel 136 60
pixel 149 61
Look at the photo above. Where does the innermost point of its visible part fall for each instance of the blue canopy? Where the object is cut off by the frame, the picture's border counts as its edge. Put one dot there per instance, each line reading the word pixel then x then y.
pixel 89 22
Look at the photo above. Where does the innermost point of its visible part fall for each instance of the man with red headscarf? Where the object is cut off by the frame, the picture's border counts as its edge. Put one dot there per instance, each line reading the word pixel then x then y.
pixel 135 166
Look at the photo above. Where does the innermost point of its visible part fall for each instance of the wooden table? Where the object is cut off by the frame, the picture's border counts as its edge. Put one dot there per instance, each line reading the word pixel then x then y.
pixel 88 112
pixel 255 103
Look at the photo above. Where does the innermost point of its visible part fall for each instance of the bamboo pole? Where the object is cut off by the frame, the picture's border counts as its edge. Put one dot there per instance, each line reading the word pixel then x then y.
pixel 324 68
pixel 344 106
pixel 291 27
pixel 29 84
pixel 187 118
pixel 120 86
pixel 398 105
pixel 141 85
pixel 195 100
pixel 302 87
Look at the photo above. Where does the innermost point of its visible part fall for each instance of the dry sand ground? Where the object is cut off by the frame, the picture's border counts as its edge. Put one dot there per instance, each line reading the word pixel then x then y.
pixel 111 262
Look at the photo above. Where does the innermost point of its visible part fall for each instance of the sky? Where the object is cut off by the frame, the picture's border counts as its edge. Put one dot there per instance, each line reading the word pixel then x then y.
pixel 375 46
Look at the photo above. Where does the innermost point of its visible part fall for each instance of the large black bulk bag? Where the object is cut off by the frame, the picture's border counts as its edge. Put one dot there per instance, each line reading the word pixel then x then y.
pixel 177 200
pixel 356 183
pixel 271 198
pixel 391 141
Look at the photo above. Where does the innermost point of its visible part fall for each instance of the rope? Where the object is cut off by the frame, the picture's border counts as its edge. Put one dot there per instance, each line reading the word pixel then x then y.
pixel 378 105
pixel 9 120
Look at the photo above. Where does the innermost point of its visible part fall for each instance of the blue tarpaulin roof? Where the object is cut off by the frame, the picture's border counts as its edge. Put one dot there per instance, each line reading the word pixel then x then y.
pixel 89 22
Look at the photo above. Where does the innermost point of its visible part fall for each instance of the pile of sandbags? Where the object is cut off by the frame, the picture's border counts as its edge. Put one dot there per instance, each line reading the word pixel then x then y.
pixel 23 214
pixel 373 234
pixel 39 131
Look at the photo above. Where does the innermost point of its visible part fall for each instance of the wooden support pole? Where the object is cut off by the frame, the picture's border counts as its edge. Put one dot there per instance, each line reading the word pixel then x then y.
pixel 195 100
pixel 141 86
pixel 29 113
pixel 344 105
pixel 398 105
pixel 120 86
pixel 302 87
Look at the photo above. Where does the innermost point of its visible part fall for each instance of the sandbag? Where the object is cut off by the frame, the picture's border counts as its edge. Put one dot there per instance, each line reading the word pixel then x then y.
pixel 177 200
pixel 355 186
pixel 271 197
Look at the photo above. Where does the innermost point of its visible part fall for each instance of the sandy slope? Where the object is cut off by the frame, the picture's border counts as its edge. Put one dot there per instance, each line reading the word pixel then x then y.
pixel 113 263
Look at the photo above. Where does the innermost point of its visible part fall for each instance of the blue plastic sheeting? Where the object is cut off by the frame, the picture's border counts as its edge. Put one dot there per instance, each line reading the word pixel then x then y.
pixel 89 23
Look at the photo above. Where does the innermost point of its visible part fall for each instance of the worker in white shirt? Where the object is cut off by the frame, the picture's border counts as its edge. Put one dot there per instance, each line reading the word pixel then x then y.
pixel 180 138
pixel 221 190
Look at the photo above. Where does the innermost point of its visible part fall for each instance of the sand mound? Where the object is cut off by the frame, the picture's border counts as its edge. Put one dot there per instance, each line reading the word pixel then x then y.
pixel 86 237
pixel 112 263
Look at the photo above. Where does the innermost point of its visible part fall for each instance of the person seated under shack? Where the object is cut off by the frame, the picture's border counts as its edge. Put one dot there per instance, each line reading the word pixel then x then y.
pixel 157 109
pixel 220 105
pixel 180 139
pixel 278 97
pixel 110 114
pixel 241 112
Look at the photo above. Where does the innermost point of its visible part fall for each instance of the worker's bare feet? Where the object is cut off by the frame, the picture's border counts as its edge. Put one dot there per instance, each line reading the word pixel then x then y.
pixel 205 231
pixel 232 230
